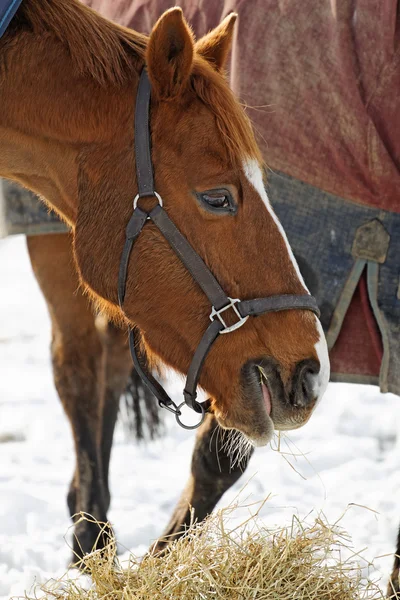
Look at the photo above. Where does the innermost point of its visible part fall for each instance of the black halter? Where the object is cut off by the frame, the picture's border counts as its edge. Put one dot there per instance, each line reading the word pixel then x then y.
pixel 220 302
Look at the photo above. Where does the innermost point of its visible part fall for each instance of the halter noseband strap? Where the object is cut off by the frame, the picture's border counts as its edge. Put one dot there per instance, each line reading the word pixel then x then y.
pixel 220 302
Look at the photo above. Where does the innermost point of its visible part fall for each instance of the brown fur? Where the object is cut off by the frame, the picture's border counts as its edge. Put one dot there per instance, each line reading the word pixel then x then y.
pixel 68 88
pixel 76 150
pixel 169 55
pixel 215 46
pixel 98 48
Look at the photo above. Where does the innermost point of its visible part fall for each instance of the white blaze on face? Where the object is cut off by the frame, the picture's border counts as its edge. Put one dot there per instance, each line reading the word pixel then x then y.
pixel 253 173
pixel 322 378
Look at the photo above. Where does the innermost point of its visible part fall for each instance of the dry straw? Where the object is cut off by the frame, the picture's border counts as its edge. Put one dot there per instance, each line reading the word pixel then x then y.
pixel 215 562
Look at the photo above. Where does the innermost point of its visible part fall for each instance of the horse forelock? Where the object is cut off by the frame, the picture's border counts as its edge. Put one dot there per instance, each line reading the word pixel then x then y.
pixel 230 117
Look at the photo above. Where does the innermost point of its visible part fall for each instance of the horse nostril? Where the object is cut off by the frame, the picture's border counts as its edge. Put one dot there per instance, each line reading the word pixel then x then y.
pixel 307 384
pixel 303 390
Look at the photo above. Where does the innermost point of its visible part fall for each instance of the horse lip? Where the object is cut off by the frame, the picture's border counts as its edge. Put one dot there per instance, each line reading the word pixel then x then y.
pixel 262 385
pixel 265 391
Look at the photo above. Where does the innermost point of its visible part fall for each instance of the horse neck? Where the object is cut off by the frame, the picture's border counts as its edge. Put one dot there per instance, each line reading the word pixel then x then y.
pixel 51 116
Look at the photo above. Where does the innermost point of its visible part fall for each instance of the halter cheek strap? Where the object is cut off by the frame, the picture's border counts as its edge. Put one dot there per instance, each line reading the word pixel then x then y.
pixel 219 300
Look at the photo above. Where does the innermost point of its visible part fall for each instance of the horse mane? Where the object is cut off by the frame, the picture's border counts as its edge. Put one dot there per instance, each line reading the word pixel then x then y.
pixel 111 53
pixel 97 46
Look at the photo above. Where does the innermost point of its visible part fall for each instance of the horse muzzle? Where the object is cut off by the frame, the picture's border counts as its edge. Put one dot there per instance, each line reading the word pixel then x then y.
pixel 266 402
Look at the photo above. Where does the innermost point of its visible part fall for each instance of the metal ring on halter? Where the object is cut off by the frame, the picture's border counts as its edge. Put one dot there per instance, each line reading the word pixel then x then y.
pixel 135 200
pixel 178 420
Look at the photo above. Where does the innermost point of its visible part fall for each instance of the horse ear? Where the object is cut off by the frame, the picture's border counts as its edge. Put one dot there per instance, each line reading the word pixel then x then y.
pixel 170 54
pixel 215 46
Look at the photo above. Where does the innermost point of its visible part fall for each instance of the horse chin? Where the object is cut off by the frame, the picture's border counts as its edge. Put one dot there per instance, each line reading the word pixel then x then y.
pixel 291 422
pixel 250 418
pixel 264 438
pixel 289 419
pixel 257 433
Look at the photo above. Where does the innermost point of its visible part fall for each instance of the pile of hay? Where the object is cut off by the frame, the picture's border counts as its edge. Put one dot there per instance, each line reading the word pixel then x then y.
pixel 246 563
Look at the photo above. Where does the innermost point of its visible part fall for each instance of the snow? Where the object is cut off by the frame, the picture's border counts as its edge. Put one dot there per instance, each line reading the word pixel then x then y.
pixel 348 457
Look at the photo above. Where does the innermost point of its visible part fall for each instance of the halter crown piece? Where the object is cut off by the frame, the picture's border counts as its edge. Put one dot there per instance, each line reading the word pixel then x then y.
pixel 220 302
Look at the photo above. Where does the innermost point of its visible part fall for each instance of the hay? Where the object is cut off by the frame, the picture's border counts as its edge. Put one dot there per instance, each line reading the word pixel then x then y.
pixel 212 562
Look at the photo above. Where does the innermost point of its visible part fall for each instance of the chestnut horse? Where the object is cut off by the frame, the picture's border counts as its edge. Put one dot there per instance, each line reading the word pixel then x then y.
pixel 68 86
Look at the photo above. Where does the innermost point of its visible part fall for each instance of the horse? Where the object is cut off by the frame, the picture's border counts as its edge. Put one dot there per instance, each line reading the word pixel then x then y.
pixel 320 85
pixel 69 80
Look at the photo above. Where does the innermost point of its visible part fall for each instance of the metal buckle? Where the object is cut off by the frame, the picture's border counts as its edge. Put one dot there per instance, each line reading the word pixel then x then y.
pixel 136 198
pixel 217 313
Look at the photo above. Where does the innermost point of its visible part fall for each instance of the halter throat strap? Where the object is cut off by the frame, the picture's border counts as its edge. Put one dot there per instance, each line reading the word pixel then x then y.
pixel 220 302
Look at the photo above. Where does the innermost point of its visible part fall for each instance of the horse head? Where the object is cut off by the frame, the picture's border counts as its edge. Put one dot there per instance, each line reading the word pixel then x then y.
pixel 269 373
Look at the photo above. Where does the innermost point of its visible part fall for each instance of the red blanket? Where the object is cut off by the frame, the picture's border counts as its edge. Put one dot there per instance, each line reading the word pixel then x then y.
pixel 321 80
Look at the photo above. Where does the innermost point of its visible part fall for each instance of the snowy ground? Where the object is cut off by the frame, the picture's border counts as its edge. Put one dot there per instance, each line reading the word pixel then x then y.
pixel 351 445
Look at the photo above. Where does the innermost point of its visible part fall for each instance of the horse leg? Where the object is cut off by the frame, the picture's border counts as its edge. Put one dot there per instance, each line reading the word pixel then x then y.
pixel 79 373
pixel 117 371
pixel 213 471
pixel 393 592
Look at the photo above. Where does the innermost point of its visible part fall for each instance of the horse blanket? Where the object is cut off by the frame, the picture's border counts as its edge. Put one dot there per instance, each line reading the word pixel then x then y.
pixel 22 212
pixel 321 83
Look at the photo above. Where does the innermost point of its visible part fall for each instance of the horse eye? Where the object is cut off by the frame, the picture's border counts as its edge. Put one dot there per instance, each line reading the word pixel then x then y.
pixel 217 200
pixel 221 201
